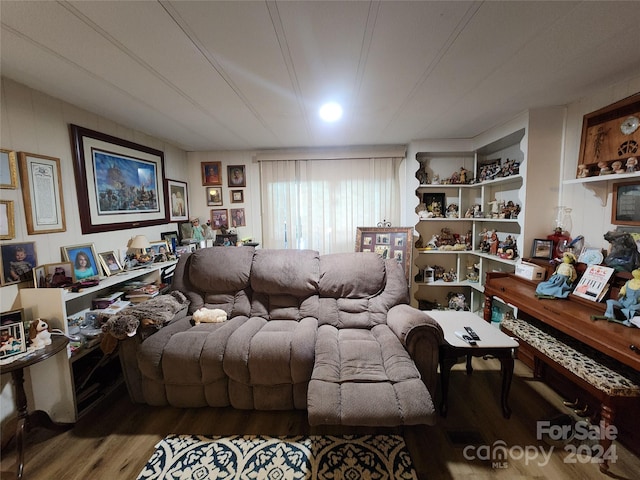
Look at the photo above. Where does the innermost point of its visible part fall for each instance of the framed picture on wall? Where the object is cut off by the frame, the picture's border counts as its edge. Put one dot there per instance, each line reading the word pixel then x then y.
pixel 236 176
pixel 219 218
pixel 625 208
pixel 388 242
pixel 42 193
pixel 120 184
pixel 7 220
pixel 178 202
pixel 237 196
pixel 8 169
pixel 237 217
pixel 214 196
pixel 211 173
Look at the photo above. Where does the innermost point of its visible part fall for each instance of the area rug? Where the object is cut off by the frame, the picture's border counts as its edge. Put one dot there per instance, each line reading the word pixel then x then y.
pixel 348 457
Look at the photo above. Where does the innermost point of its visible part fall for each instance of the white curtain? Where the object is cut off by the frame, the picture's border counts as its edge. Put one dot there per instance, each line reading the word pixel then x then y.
pixel 318 204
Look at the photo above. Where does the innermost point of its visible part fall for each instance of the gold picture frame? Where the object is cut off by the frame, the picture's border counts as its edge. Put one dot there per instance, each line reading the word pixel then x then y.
pixel 8 169
pixel 7 220
pixel 42 193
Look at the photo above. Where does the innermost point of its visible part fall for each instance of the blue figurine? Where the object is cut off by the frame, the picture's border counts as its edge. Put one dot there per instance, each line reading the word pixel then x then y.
pixel 560 284
pixel 628 299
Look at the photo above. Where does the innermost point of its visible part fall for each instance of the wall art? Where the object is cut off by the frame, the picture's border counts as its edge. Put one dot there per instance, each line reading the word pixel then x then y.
pixel 178 202
pixel 42 193
pixel 388 242
pixel 120 184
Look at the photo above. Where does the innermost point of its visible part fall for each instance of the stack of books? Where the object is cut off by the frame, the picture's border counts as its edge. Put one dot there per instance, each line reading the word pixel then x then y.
pixel 143 293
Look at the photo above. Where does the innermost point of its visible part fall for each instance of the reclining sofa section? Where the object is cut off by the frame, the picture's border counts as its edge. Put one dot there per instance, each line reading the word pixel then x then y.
pixel 332 334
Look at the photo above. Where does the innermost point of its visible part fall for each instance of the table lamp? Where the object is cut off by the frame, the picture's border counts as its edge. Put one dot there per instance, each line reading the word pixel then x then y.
pixel 139 244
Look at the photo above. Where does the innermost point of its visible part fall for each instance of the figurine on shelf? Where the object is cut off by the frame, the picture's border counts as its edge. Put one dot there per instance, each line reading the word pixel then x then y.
pixel 583 171
pixel 632 164
pixel 493 243
pixel 561 282
pixel 628 302
pixel 617 167
pixel 604 168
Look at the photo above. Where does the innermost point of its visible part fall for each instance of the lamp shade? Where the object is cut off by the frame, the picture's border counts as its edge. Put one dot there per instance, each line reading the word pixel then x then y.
pixel 139 242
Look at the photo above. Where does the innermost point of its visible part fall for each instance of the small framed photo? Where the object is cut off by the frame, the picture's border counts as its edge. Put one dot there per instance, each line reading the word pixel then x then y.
pixel 12 339
pixel 214 196
pixel 84 260
pixel 219 218
pixel 237 217
pixel 110 263
pixel 18 261
pixel 178 202
pixel 53 275
pixel 158 248
pixel 435 203
pixel 237 196
pixel 182 249
pixel 7 220
pixel 171 238
pixel 236 176
pixel 542 248
pixel 226 240
pixel 211 173
pixel 625 208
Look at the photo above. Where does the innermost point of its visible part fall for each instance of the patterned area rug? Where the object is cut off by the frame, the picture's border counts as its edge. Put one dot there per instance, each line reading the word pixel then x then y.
pixel 349 457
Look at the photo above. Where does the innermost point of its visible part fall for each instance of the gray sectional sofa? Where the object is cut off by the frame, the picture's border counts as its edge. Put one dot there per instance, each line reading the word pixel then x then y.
pixel 332 334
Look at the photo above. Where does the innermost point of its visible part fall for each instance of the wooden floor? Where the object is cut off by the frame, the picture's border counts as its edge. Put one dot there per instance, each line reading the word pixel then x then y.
pixel 115 440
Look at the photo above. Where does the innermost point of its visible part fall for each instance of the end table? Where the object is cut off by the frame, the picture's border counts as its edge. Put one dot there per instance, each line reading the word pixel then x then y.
pixel 26 420
pixel 492 342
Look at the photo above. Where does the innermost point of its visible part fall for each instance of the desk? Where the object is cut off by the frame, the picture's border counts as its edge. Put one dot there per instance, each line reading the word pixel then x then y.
pixel 492 342
pixel 27 421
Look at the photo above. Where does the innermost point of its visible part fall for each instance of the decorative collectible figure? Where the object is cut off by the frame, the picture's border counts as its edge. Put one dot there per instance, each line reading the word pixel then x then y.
pixel 583 171
pixel 632 164
pixel 628 302
pixel 617 167
pixel 561 282
pixel 604 168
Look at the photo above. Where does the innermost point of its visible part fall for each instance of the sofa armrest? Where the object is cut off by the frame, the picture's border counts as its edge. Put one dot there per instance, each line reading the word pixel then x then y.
pixel 421 336
pixel 154 341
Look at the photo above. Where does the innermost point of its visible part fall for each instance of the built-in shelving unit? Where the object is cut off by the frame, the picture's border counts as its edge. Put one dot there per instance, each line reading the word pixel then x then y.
pixel 68 385
pixel 534 142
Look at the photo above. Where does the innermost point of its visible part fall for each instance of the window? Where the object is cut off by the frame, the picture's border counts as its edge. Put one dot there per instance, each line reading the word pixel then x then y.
pixel 319 204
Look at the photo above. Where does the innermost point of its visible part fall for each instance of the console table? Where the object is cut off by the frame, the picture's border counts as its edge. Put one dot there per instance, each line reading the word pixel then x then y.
pixel 554 333
pixel 28 420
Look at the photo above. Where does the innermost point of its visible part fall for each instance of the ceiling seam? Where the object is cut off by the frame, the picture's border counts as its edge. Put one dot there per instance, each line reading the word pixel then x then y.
pixel 278 28
pixel 462 24
pixel 365 49
pixel 210 58
pixel 92 75
pixel 90 23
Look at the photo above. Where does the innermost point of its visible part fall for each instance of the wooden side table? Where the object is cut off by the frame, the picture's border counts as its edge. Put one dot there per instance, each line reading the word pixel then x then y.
pixel 492 342
pixel 26 420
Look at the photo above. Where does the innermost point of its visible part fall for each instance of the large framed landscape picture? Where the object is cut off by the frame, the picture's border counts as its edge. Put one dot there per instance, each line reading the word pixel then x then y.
pixel 120 184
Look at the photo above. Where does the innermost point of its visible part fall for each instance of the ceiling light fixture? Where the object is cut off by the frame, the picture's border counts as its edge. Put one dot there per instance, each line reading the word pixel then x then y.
pixel 331 112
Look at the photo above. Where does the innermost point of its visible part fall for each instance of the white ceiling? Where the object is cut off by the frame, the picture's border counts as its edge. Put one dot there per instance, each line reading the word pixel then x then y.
pixel 213 75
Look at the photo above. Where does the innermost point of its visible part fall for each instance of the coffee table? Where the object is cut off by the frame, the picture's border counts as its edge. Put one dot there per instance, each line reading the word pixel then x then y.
pixel 492 342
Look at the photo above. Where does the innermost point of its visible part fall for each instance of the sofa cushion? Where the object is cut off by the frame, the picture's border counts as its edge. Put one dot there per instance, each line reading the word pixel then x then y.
pixel 294 272
pixel 216 277
pixel 358 289
pixel 365 377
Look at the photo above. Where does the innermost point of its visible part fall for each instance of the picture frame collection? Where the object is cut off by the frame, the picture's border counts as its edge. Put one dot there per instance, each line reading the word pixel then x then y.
pixel 119 185
pixel 223 218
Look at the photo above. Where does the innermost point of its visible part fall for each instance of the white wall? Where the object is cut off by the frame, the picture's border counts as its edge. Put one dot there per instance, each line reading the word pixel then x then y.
pixel 33 122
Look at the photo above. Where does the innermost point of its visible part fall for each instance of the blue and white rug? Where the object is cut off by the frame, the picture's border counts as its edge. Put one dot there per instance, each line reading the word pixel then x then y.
pixel 349 457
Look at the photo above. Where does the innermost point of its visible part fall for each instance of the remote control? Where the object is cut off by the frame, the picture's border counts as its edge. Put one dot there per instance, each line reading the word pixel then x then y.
pixel 472 334
pixel 466 338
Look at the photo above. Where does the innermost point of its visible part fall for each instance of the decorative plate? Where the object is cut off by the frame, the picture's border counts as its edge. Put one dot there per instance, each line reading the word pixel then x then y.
pixel 591 257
